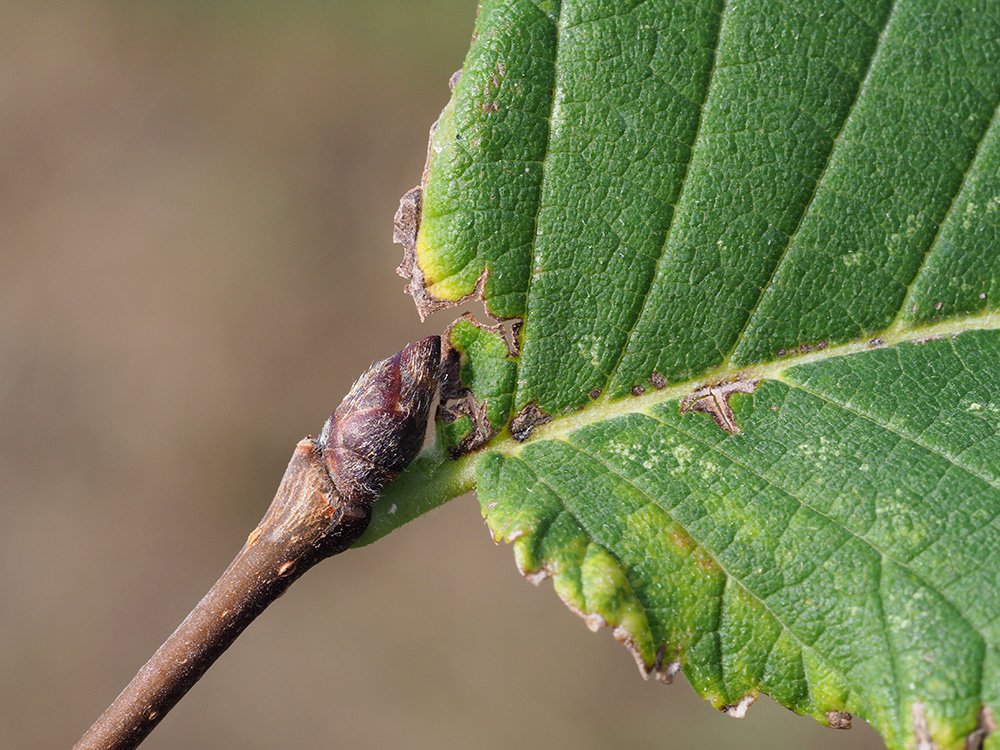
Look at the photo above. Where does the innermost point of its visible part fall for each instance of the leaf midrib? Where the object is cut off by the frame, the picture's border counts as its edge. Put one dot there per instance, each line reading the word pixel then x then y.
pixel 435 478
pixel 807 206
pixel 606 407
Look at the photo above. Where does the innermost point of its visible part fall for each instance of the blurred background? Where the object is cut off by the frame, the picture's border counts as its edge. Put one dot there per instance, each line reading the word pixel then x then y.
pixel 196 203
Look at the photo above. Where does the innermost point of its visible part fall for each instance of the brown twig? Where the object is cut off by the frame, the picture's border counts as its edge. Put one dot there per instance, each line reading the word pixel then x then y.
pixel 322 506
pixel 307 521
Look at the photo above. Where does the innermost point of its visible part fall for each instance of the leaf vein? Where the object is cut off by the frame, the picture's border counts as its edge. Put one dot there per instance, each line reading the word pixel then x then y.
pixel 970 169
pixel 950 458
pixel 559 22
pixel 883 554
pixel 660 509
pixel 671 223
pixel 834 143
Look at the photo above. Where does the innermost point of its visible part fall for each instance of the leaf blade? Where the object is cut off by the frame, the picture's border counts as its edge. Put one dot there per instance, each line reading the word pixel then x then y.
pixel 804 202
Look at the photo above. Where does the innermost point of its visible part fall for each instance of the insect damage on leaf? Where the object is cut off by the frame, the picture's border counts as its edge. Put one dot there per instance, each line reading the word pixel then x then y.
pixel 700 279
pixel 985 727
pixel 920 732
pixel 475 398
pixel 739 710
pixel 458 401
pixel 526 421
pixel 714 401
pixel 405 228
pixel 839 719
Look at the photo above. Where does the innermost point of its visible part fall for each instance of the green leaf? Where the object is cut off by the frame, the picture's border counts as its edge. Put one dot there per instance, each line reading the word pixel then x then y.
pixel 753 420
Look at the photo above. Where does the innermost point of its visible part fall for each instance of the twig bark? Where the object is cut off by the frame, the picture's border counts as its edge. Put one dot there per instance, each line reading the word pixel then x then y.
pixel 307 521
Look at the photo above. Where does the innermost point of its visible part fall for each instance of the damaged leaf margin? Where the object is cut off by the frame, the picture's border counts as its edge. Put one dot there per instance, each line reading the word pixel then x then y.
pixel 477 387
pixel 555 534
pixel 549 542
pixel 468 230
pixel 474 237
pixel 535 495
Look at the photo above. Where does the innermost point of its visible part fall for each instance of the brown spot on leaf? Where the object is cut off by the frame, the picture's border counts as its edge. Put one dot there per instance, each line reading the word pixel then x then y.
pixel 664 672
pixel 638 390
pixel 920 731
pixel 526 421
pixel 876 343
pixel 658 381
pixel 406 222
pixel 454 79
pixel 714 401
pixel 595 393
pixel 450 386
pixel 515 332
pixel 482 431
pixel 457 400
pixel 681 540
pixel 406 228
pixel 986 726
pixel 839 719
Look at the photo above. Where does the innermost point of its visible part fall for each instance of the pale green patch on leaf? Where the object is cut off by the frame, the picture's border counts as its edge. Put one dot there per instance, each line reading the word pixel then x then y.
pixel 755 247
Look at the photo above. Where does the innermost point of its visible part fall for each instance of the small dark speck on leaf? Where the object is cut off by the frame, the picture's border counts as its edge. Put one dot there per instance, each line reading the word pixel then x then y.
pixel 875 343
pixel 526 421
pixel 595 393
pixel 638 390
pixel 938 305
pixel 659 382
pixel 822 345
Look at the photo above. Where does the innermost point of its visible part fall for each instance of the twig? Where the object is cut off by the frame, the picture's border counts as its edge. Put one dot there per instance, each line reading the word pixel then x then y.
pixel 307 521
pixel 322 506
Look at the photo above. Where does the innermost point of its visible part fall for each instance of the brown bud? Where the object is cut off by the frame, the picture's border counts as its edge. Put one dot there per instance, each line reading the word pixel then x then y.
pixel 379 426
